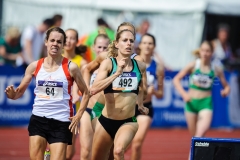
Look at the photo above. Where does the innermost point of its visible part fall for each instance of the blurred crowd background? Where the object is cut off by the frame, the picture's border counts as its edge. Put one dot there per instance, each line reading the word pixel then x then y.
pixel 178 25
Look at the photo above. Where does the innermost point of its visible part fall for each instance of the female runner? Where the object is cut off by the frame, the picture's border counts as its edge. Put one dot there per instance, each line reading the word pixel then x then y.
pixel 72 52
pixel 199 107
pixel 120 78
pixel 52 117
pixel 86 131
pixel 155 73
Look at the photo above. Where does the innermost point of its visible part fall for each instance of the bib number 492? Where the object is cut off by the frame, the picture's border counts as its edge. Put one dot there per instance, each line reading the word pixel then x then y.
pixel 125 82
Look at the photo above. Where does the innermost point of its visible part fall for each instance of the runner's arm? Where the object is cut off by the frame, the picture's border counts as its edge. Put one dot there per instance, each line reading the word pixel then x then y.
pixel 15 94
pixel 76 74
pixel 102 81
pixel 91 67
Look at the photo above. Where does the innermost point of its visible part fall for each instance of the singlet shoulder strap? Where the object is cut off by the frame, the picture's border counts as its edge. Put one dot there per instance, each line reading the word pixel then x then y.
pixel 39 64
pixel 133 55
pixel 113 65
pixel 135 65
pixel 65 66
pixel 197 63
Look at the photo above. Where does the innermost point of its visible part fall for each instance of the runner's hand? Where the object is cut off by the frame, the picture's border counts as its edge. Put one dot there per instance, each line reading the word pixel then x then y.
pixel 150 90
pixel 143 110
pixel 224 92
pixel 75 98
pixel 11 92
pixel 121 65
pixel 186 98
pixel 74 126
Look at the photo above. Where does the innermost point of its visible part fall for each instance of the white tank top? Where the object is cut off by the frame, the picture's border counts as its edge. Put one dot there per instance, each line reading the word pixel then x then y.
pixel 53 92
pixel 94 75
pixel 133 55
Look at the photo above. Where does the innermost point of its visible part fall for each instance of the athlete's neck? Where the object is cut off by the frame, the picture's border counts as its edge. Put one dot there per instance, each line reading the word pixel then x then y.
pixel 205 62
pixel 127 60
pixel 69 54
pixel 53 61
pixel 147 58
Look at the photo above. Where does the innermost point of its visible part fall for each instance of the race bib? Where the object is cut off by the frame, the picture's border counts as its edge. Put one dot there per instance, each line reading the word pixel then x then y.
pixel 150 79
pixel 50 90
pixel 125 82
pixel 202 80
pixel 94 75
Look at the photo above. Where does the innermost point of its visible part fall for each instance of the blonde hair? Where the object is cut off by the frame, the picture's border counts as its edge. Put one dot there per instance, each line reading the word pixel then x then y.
pixel 101 33
pixel 13 32
pixel 101 30
pixel 127 24
pixel 112 50
pixel 196 52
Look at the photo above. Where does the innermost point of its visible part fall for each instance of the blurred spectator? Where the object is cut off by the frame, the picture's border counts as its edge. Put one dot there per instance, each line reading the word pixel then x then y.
pixel 10 47
pixel 102 24
pixel 88 40
pixel 32 42
pixel 222 48
pixel 57 20
pixel 141 30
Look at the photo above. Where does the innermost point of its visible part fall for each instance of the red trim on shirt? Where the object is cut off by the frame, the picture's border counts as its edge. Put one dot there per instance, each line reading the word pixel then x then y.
pixel 39 64
pixel 70 82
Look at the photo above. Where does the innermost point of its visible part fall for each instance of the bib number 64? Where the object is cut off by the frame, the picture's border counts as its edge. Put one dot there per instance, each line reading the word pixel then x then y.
pixel 50 91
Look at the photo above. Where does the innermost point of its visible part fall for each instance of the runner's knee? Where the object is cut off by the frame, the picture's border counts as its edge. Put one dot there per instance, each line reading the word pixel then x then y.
pixel 137 144
pixel 118 151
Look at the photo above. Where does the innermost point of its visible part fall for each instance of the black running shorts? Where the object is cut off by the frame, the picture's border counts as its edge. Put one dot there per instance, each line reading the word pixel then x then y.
pixel 52 130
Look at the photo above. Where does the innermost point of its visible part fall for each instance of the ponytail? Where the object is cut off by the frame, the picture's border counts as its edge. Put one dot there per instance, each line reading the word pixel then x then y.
pixel 81 49
pixel 101 33
pixel 196 53
pixel 112 50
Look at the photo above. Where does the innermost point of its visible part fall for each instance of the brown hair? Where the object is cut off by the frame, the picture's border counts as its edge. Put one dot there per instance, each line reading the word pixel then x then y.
pixel 56 29
pixel 57 17
pixel 74 30
pixel 112 50
pixel 81 48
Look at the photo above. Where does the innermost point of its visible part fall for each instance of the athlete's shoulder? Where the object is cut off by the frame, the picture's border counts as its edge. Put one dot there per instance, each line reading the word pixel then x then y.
pixel 193 63
pixel 106 64
pixel 34 64
pixel 72 66
pixel 141 65
pixel 138 58
pixel 107 60
pixel 34 67
pixel 190 67
pixel 103 55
